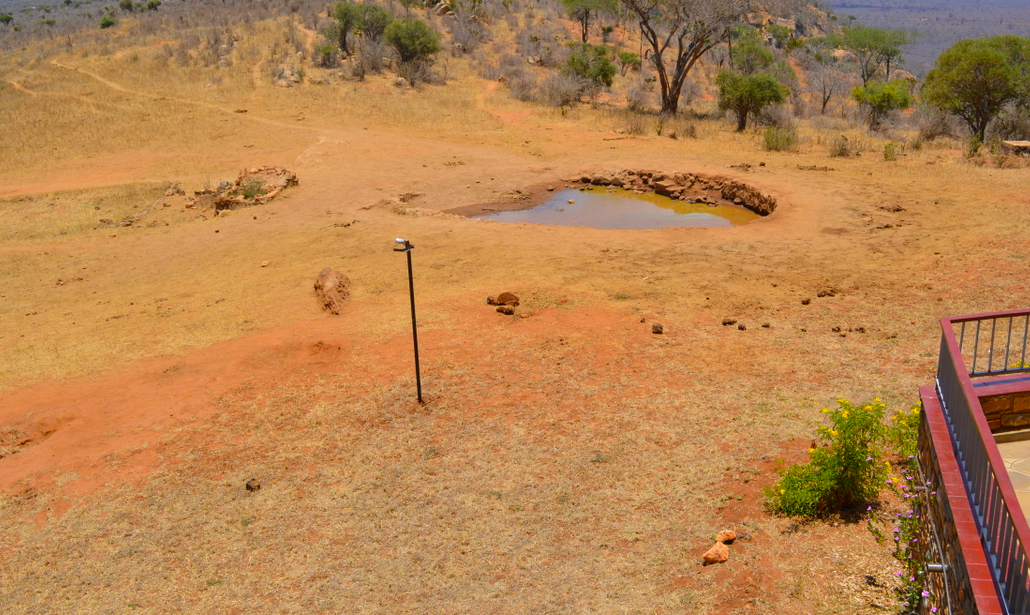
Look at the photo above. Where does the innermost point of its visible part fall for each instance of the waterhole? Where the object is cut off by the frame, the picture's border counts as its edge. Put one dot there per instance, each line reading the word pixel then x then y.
pixel 616 208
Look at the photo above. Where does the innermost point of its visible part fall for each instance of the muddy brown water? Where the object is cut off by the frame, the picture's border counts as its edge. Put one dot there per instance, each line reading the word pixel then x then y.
pixel 616 208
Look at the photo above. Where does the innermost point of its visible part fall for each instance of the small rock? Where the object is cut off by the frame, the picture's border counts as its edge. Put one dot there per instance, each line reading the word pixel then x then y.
pixel 504 298
pixel 766 325
pixel 506 309
pixel 264 263
pixel 718 554
pixel 729 321
pixel 806 301
pixel 657 328
pixel 726 536
pixel 643 319
pixel 253 484
pixel 741 327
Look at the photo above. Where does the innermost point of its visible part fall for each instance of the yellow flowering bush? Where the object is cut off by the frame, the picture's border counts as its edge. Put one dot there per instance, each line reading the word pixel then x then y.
pixel 846 471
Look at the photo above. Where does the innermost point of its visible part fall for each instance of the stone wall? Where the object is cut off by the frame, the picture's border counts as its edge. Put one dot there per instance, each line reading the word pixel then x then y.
pixel 956 543
pixel 1007 412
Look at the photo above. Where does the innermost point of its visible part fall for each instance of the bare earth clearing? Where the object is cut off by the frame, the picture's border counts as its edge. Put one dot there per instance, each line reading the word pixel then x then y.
pixel 567 461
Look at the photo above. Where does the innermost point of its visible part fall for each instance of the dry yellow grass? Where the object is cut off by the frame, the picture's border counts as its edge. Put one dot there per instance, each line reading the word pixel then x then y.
pixel 567 462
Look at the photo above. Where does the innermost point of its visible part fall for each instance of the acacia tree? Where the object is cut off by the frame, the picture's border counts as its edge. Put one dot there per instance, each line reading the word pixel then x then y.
pixel 873 47
pixel 581 11
pixel 678 33
pixel 883 98
pixel 747 95
pixel 976 79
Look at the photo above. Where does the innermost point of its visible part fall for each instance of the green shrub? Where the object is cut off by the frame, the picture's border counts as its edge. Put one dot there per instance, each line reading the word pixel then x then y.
pixel 107 21
pixel 883 98
pixel 847 470
pixel 412 39
pixel 591 64
pixel 781 139
pixel 251 188
pixel 903 432
pixel 890 152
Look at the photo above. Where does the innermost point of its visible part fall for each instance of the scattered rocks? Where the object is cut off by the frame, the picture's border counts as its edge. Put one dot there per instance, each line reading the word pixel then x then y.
pixel 828 292
pixel 253 484
pixel 718 554
pixel 253 187
pixel 332 288
pixel 657 328
pixel 286 77
pixel 505 298
pixel 506 309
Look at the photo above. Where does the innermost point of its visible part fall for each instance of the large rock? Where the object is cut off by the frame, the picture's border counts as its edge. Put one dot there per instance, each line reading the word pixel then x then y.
pixel 666 187
pixel 718 554
pixel 332 288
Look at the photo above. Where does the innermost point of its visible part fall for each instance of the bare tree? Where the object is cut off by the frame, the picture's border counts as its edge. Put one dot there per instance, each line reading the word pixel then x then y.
pixel 678 33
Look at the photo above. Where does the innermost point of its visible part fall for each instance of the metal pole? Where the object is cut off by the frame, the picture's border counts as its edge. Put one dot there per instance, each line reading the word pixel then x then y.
pixel 414 325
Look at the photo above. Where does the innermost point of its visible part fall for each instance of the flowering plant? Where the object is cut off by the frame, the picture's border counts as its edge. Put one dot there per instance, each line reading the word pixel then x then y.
pixel 844 471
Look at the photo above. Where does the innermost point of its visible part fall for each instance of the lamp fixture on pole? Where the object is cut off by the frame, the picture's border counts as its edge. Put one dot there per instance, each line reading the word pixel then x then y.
pixel 403 245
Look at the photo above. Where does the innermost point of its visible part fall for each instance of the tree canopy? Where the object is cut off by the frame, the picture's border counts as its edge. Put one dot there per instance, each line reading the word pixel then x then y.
pixel 747 95
pixel 581 11
pixel 679 32
pixel 412 39
pixel 976 79
pixel 883 98
pixel 873 47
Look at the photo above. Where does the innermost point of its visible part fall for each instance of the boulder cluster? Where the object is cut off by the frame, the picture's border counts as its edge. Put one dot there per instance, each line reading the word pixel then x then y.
pixel 689 187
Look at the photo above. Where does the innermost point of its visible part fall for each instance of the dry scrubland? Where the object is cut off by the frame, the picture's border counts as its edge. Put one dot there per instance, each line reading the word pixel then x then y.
pixel 569 461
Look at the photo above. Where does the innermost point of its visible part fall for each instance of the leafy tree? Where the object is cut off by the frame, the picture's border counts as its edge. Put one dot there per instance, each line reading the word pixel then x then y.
pixel 751 56
pixel 107 21
pixel 153 4
pixel 679 32
pixel 581 11
pixel 883 98
pixel 873 47
pixel 372 21
pixel 413 40
pixel 976 79
pixel 346 15
pixel 126 5
pixel 6 18
pixel 628 60
pixel 747 95
pixel 592 64
pixel 890 51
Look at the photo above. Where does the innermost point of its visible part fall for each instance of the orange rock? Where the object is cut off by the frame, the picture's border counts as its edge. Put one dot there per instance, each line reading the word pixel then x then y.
pixel 726 536
pixel 716 555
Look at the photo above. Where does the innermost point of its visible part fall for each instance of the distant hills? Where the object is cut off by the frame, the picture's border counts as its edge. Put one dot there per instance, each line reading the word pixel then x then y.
pixel 941 22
